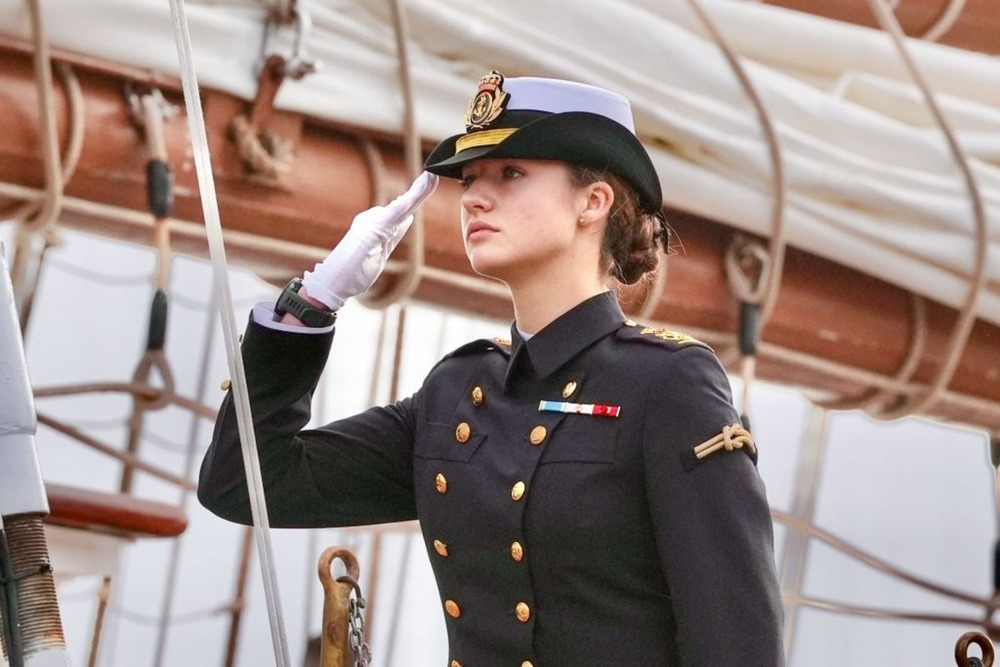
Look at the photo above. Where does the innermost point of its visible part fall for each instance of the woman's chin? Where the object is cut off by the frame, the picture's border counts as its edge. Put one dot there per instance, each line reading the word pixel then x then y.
pixel 486 265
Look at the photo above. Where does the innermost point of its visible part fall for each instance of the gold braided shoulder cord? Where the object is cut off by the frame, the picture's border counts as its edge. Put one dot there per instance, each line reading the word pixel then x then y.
pixel 733 436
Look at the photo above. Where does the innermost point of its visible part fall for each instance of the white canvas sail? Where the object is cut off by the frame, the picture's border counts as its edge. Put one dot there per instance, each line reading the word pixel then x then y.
pixel 871 182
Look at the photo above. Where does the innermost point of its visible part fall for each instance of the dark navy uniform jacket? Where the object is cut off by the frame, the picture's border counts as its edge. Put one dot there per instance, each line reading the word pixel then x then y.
pixel 556 539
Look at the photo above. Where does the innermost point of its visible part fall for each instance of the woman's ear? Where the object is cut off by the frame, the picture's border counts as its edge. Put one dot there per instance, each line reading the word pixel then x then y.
pixel 598 202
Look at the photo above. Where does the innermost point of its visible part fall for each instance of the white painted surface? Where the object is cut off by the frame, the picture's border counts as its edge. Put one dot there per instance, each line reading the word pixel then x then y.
pixel 21 489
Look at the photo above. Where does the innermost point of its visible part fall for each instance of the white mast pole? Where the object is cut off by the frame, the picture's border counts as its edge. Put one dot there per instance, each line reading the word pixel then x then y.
pixel 23 502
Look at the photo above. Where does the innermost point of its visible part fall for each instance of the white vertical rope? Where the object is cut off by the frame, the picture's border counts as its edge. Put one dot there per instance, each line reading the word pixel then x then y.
pixel 217 250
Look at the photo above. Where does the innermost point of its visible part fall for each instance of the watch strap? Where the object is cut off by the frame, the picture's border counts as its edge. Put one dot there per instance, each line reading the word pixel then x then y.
pixel 293 303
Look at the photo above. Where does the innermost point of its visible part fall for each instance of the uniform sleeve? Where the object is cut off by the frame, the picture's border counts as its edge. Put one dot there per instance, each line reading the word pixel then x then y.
pixel 352 471
pixel 712 521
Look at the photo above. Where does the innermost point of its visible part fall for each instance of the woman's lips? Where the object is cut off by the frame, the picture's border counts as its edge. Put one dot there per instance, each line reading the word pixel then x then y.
pixel 478 230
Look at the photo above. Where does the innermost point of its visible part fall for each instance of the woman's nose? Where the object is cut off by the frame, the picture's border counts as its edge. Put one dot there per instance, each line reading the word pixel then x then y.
pixel 475 197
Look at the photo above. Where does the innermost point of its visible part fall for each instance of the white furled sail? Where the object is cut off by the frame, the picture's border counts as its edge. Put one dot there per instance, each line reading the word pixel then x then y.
pixel 871 182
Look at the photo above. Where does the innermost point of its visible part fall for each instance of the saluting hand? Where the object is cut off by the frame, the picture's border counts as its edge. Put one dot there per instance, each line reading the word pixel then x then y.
pixel 354 264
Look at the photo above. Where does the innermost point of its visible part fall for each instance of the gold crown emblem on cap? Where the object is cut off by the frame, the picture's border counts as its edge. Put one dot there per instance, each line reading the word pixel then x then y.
pixel 487 104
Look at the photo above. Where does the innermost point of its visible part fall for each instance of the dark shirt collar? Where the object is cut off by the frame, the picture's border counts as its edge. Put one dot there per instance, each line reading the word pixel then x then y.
pixel 567 335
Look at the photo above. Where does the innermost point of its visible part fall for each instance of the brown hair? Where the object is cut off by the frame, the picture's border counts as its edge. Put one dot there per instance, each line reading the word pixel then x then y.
pixel 633 236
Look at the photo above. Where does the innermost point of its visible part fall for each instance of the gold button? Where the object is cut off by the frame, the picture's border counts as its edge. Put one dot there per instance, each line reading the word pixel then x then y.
pixel 441 548
pixel 527 663
pixel 225 385
pixel 569 389
pixel 517 491
pixel 523 612
pixel 516 551
pixel 456 663
pixel 463 432
pixel 630 323
pixel 477 396
pixel 441 483
pixel 451 607
pixel 537 435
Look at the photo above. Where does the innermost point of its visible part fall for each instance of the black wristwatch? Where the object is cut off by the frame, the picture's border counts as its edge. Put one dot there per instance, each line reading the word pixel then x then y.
pixel 290 302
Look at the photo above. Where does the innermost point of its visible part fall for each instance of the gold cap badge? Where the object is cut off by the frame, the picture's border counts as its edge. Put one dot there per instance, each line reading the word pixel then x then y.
pixel 487 105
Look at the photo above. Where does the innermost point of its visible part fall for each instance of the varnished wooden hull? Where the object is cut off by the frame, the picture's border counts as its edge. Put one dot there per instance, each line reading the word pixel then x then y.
pixel 827 315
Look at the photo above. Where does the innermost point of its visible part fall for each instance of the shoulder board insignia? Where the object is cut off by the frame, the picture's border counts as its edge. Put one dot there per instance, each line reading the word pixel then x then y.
pixel 733 437
pixel 478 346
pixel 671 339
pixel 675 336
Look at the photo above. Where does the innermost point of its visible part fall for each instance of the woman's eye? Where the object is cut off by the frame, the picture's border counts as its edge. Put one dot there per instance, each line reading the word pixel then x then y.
pixel 465 182
pixel 512 172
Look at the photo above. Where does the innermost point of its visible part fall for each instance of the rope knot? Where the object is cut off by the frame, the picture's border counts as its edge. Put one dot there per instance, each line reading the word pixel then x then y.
pixel 733 436
pixel 727 439
pixel 265 153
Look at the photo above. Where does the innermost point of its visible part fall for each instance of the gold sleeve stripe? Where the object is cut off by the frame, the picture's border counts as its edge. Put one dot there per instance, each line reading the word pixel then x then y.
pixel 484 138
pixel 732 437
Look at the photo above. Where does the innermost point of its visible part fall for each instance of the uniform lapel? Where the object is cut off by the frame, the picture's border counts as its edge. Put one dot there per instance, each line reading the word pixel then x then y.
pixel 573 332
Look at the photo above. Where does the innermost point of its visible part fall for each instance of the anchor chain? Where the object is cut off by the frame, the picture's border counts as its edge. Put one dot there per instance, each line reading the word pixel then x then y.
pixel 356 624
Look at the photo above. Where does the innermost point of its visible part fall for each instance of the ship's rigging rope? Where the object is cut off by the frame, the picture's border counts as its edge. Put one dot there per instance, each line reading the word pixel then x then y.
pixel 875 399
pixel 891 389
pixel 945 21
pixel 409 280
pixel 37 219
pixel 967 312
pixel 217 250
pixel 833 370
pixel 766 291
pixel 756 301
pixel 763 291
pixel 50 149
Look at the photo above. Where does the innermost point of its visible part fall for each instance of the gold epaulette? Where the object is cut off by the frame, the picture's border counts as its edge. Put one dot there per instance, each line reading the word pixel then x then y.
pixel 479 346
pixel 673 336
pixel 670 339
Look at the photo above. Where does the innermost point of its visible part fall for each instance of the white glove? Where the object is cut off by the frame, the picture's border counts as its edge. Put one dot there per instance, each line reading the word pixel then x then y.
pixel 354 264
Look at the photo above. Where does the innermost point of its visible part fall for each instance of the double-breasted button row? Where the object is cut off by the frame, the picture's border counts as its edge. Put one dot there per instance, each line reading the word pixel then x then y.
pixel 456 663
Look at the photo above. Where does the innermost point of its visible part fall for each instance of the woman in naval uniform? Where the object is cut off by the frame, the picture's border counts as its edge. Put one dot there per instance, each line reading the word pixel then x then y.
pixel 585 491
